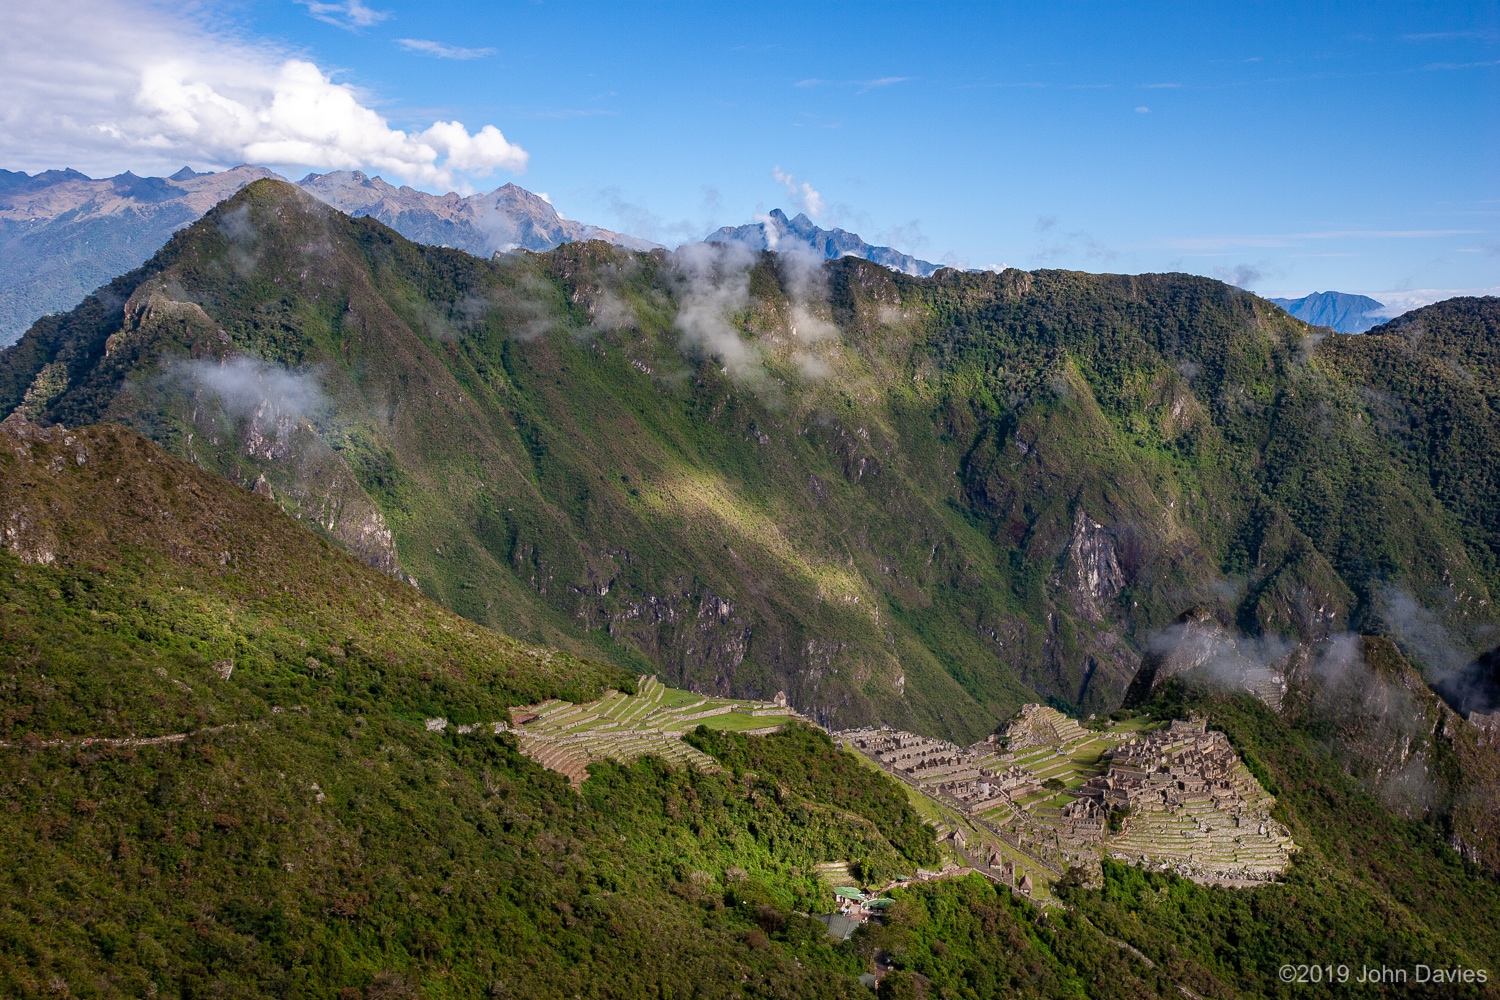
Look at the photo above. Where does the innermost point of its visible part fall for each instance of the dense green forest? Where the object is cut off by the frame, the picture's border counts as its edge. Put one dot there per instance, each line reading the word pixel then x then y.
pixel 916 501
pixel 923 501
pixel 309 837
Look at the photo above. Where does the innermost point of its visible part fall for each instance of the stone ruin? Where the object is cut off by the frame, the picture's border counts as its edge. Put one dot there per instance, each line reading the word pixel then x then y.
pixel 1180 797
pixel 1039 725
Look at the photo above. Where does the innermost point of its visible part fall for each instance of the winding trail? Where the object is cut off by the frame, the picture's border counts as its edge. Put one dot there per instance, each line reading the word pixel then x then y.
pixel 111 741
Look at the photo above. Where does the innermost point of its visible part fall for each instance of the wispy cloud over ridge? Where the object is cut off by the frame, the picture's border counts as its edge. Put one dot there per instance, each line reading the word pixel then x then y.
pixel 441 50
pixel 803 194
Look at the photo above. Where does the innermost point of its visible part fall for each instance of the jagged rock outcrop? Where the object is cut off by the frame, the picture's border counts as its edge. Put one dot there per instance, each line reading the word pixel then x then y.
pixel 1094 576
pixel 777 232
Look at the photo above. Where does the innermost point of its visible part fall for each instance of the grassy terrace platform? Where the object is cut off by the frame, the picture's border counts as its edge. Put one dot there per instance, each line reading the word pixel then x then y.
pixel 567 737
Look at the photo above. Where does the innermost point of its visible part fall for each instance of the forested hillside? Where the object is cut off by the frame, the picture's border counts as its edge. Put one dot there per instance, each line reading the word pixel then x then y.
pixel 219 779
pixel 921 501
pixel 220 783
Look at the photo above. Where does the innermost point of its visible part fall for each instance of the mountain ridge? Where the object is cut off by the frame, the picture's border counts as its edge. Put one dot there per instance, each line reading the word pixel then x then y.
pixel 976 490
pixel 505 219
pixel 777 232
pixel 921 501
pixel 1339 311
pixel 63 234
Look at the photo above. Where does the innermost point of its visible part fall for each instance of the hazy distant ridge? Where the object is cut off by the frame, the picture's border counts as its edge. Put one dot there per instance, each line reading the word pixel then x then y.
pixel 63 234
pixel 777 232
pixel 1342 311
pixel 507 218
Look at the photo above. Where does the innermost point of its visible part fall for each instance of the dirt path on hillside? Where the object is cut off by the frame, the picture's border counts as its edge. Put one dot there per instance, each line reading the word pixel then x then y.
pixel 112 741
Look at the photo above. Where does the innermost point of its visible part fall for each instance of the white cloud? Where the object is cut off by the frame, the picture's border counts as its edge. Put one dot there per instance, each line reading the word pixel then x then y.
pixel 713 284
pixel 1143 110
pixel 349 15
pixel 442 50
pixel 1241 275
pixel 111 84
pixel 803 195
pixel 1405 300
pixel 245 384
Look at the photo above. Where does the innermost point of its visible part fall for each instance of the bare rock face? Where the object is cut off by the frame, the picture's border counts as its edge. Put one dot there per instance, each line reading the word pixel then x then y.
pixel 1093 577
pixel 704 637
pixel 31 541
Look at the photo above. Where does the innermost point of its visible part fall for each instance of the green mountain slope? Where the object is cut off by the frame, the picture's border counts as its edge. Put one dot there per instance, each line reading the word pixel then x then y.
pixel 308 832
pixel 308 836
pixel 921 501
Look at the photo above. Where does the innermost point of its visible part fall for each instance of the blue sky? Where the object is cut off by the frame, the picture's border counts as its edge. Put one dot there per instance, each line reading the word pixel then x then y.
pixel 1287 147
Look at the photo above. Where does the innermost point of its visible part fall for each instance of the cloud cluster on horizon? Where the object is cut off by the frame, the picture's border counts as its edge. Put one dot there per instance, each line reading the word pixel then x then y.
pixel 92 83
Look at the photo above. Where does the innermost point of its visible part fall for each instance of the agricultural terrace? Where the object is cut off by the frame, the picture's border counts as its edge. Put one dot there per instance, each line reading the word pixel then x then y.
pixel 568 737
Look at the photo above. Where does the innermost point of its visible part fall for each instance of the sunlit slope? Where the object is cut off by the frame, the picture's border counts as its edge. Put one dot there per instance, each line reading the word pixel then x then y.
pixel 221 777
pixel 922 501
pixel 145 597
pixel 224 776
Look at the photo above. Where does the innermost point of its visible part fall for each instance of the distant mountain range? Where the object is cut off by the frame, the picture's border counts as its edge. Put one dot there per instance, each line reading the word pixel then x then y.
pixel 63 233
pixel 1339 310
pixel 507 218
pixel 779 233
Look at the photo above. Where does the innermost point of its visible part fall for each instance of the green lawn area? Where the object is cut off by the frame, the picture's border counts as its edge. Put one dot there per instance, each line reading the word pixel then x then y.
pixel 676 697
pixel 739 721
